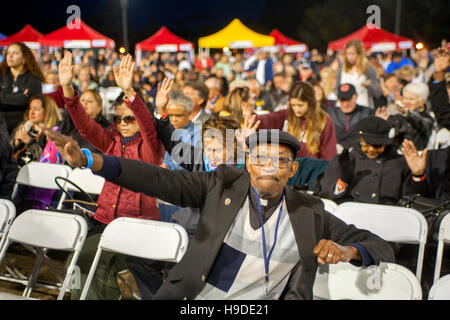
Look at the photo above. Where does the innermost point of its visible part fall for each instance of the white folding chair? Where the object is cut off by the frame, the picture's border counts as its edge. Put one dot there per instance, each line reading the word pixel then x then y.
pixel 41 175
pixel 388 281
pixel 146 239
pixel 391 223
pixel 7 215
pixel 86 180
pixel 330 205
pixel 49 230
pixel 443 238
pixel 440 289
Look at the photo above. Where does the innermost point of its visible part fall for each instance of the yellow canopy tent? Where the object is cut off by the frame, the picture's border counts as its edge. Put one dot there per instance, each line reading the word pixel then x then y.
pixel 236 36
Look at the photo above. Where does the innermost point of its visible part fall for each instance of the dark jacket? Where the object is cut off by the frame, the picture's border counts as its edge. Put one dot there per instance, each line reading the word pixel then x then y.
pixel 416 126
pixel 208 191
pixel 13 100
pixel 383 180
pixel 440 103
pixel 8 169
pixel 437 174
pixel 345 124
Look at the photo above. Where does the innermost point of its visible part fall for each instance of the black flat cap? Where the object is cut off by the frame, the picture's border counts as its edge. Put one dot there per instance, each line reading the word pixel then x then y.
pixel 346 91
pixel 374 130
pixel 273 136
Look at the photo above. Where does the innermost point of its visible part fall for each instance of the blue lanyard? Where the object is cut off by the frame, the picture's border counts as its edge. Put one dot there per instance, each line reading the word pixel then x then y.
pixel 267 258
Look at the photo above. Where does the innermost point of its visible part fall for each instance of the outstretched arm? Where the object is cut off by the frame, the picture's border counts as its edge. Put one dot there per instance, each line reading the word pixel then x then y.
pixel 93 132
pixel 179 187
pixel 124 78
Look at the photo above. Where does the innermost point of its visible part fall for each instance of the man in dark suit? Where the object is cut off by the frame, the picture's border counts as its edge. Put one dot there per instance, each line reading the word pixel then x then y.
pixel 241 211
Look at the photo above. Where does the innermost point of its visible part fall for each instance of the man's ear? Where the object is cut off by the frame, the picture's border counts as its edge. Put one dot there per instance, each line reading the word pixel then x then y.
pixel 294 169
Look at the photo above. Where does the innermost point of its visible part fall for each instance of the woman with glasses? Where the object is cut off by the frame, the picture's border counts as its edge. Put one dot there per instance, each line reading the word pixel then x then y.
pixel 371 171
pixel 132 135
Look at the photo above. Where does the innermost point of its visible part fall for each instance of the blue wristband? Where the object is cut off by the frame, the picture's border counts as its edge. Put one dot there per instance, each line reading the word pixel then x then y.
pixel 90 158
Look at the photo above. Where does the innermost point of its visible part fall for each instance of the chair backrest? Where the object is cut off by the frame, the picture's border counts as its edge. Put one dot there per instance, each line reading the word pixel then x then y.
pixel 42 175
pixel 148 239
pixel 47 229
pixel 7 215
pixel 440 289
pixel 50 230
pixel 443 237
pixel 330 205
pixel 157 240
pixel 388 281
pixel 392 223
pixel 86 180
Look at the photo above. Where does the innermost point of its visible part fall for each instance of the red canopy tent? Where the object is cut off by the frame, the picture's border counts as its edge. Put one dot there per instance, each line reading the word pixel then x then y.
pixel 27 35
pixel 374 39
pixel 84 38
pixel 164 41
pixel 290 45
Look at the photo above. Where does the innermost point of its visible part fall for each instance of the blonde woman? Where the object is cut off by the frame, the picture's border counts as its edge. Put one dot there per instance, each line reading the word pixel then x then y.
pixel 328 82
pixel 239 103
pixel 357 70
pixel 307 121
pixel 27 139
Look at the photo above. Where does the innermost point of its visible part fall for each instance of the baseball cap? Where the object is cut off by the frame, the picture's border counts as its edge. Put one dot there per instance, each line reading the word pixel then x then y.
pixel 346 91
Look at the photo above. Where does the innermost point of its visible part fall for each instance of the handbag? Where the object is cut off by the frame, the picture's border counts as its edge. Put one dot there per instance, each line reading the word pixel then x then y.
pixel 84 207
pixel 434 210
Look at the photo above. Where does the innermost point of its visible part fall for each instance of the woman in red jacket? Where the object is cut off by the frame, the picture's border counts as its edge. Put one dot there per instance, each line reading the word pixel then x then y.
pixel 305 120
pixel 133 135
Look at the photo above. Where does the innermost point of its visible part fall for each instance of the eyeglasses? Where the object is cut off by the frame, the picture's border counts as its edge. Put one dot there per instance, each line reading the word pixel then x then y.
pixel 277 162
pixel 126 119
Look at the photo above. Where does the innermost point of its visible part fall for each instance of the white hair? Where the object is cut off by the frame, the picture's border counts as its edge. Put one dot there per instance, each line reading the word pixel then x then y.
pixel 178 98
pixel 419 89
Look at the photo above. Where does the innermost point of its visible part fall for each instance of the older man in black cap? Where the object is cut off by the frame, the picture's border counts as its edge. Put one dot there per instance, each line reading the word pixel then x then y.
pixel 347 115
pixel 257 238
pixel 371 170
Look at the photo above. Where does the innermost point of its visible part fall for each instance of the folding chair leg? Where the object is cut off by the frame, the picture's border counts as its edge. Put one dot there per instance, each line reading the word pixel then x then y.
pixel 420 261
pixel 91 274
pixel 34 275
pixel 438 263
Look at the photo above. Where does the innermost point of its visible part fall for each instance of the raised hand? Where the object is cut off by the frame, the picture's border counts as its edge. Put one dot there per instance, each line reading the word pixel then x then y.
pixel 249 128
pixel 416 163
pixel 65 70
pixel 164 90
pixel 382 113
pixel 124 75
pixel 67 147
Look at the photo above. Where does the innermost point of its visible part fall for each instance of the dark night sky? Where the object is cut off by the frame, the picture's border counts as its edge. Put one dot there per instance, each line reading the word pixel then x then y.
pixel 191 16
pixel 317 21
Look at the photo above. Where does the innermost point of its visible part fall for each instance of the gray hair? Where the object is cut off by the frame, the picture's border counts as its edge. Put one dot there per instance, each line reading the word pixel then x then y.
pixel 419 89
pixel 178 98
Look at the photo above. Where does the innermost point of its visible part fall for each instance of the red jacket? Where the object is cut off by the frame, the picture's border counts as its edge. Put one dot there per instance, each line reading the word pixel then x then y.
pixel 115 201
pixel 327 148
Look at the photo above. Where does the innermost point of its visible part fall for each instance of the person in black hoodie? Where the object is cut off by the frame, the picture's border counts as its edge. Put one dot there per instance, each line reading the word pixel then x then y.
pixel 20 79
pixel 371 171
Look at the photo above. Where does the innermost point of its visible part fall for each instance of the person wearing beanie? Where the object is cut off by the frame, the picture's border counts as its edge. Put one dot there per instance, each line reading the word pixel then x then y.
pixel 371 170
pixel 239 209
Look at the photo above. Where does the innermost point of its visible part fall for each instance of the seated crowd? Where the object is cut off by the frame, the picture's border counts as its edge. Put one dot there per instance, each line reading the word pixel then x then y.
pixel 368 128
